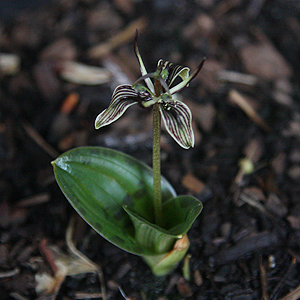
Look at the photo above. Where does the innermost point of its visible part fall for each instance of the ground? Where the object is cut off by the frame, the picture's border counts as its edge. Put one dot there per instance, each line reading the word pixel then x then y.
pixel 245 166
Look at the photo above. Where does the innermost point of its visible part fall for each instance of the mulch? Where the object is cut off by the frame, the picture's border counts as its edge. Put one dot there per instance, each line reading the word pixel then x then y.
pixel 245 166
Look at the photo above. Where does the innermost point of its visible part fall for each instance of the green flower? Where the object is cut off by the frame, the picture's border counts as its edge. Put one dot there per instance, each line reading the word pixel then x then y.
pixel 176 115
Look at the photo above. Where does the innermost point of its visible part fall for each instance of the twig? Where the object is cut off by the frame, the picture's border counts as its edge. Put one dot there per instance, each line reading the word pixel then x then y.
pixel 34 200
pixel 236 77
pixel 31 131
pixel 122 37
pixel 240 100
pixel 255 204
pixel 10 273
pixel 88 296
pixel 17 296
pixel 123 294
pixel 292 295
pixel 48 256
pixel 263 280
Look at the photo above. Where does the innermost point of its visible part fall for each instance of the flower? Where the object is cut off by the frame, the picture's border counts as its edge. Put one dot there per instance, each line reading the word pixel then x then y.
pixel 176 115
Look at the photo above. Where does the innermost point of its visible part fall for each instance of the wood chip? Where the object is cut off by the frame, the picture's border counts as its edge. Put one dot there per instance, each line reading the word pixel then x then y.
pixel 61 49
pixel 294 221
pixel 198 278
pixel 264 61
pixel 126 6
pixel 276 206
pixel 184 288
pixel 193 184
pixel 70 103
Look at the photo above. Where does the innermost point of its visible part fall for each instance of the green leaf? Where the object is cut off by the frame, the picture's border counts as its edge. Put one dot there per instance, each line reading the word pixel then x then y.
pixel 178 216
pixel 151 236
pixel 163 264
pixel 180 213
pixel 98 182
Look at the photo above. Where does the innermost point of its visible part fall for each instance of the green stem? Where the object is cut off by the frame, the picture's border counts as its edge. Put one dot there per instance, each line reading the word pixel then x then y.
pixel 156 166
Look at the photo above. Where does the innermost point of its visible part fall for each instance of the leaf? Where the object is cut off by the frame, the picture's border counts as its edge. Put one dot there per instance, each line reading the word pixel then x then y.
pixel 178 216
pixel 98 182
pixel 84 74
pixel 163 264
pixel 151 236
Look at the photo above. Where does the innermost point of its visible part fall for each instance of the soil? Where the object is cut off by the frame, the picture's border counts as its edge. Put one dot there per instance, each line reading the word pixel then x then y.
pixel 245 166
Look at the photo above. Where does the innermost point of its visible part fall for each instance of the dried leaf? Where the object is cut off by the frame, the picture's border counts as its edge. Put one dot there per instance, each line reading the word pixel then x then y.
pixel 83 74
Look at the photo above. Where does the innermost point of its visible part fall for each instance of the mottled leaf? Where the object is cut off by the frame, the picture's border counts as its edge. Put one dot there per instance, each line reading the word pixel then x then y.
pixel 98 182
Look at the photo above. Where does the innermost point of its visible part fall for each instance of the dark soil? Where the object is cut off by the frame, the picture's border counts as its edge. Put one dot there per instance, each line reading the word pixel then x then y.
pixel 245 166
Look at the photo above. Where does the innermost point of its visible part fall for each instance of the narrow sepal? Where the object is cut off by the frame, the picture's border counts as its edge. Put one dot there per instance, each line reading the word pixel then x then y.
pixel 142 66
pixel 123 97
pixel 177 119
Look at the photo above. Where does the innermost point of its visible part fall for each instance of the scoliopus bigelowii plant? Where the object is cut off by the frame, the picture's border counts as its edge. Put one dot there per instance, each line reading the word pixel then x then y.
pixel 125 201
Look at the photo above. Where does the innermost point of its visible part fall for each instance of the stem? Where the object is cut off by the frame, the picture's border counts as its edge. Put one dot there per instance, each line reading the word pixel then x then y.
pixel 156 166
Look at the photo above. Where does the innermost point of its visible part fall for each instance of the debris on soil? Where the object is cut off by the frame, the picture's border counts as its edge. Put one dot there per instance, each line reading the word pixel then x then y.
pixel 59 64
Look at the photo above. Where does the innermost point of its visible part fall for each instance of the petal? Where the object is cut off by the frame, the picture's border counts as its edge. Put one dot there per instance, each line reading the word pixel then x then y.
pixel 185 82
pixel 123 97
pixel 177 118
pixel 142 66
pixel 170 72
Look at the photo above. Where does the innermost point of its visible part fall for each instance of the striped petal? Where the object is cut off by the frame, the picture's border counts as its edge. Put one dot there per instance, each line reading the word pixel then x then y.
pixel 186 80
pixel 177 119
pixel 123 97
pixel 170 72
